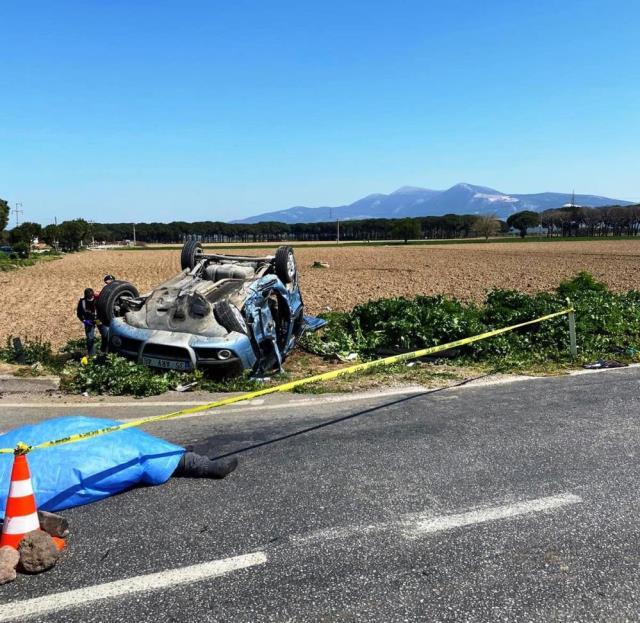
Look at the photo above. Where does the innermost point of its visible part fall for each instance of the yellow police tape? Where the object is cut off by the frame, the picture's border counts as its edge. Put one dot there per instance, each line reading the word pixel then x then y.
pixel 284 387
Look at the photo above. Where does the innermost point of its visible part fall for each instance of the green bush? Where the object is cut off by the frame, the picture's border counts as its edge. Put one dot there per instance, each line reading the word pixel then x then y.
pixel 116 376
pixel 34 350
pixel 22 250
pixel 606 322
pixel 582 283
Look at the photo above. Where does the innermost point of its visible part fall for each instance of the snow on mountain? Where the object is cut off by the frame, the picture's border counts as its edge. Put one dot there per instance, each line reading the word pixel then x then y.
pixel 493 198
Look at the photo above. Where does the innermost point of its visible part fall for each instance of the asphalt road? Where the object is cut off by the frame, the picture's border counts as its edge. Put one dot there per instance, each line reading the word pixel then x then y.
pixel 513 502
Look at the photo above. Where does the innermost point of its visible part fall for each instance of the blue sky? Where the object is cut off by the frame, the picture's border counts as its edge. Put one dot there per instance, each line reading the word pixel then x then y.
pixel 153 110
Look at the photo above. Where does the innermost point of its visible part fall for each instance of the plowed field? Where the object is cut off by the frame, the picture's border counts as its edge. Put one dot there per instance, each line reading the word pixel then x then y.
pixel 40 300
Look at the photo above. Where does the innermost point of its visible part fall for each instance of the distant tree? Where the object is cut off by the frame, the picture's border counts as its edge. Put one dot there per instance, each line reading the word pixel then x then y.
pixel 4 214
pixel 486 225
pixel 406 229
pixel 72 233
pixel 635 219
pixel 523 220
pixel 97 232
pixel 50 235
pixel 25 232
pixel 467 224
pixel 22 249
pixel 618 219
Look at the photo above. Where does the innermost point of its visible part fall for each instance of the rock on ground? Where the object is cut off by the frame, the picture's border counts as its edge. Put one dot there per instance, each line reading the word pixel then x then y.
pixel 55 525
pixel 9 558
pixel 38 552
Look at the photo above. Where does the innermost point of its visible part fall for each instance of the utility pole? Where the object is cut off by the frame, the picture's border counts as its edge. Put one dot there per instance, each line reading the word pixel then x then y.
pixel 337 224
pixel 134 234
pixel 18 211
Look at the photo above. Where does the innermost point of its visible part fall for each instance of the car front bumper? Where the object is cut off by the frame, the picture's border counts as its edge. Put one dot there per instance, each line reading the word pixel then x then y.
pixel 180 351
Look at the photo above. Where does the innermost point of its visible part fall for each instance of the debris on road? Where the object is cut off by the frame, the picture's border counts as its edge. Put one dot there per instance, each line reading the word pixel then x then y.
pixel 605 363
pixel 347 358
pixel 186 387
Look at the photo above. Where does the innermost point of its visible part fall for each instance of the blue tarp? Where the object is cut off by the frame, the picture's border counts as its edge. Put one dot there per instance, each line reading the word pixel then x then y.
pixel 79 473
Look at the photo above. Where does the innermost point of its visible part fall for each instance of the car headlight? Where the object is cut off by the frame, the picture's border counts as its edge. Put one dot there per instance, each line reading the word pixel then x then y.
pixel 116 341
pixel 224 354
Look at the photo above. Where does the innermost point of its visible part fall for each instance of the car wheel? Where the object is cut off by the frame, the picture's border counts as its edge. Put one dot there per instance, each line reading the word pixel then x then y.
pixel 191 251
pixel 285 263
pixel 229 317
pixel 110 303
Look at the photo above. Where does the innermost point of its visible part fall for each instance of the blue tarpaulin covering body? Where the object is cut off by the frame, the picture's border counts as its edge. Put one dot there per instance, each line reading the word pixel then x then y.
pixel 90 470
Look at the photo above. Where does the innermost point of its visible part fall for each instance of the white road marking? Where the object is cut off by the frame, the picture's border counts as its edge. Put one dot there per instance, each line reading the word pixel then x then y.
pixel 139 584
pixel 421 524
pixel 410 526
pixel 416 525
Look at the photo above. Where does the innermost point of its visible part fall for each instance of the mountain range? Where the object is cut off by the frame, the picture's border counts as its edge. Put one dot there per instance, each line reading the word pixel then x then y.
pixel 414 201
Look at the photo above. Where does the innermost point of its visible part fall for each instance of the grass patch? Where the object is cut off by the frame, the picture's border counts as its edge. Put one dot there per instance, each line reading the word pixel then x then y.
pixel 9 263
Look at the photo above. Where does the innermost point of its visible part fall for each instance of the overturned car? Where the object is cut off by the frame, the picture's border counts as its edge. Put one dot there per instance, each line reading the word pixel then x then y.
pixel 225 313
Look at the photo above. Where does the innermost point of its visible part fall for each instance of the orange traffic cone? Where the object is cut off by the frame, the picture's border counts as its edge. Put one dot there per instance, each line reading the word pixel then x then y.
pixel 21 514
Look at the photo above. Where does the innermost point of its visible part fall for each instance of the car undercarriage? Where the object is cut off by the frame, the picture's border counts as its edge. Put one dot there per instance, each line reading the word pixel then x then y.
pixel 222 313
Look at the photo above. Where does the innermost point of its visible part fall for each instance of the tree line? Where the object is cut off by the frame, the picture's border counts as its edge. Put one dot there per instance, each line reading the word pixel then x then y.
pixel 569 221
pixel 70 235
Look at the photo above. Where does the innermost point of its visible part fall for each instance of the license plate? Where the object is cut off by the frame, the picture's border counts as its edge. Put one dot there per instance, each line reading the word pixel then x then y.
pixel 167 364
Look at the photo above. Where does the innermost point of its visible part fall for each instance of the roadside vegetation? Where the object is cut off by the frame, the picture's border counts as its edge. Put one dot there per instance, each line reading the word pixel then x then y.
pixel 607 323
pixel 17 258
pixel 110 374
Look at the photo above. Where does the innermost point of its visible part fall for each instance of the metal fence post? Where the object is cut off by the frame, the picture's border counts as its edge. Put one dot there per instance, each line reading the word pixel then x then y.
pixel 572 335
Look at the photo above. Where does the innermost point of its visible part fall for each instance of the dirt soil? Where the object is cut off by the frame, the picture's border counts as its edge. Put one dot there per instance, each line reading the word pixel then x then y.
pixel 40 300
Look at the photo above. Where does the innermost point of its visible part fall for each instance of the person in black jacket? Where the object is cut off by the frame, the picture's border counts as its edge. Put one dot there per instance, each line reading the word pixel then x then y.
pixel 88 314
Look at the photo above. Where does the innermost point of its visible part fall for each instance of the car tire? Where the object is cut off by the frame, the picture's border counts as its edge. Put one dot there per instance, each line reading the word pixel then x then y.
pixel 190 252
pixel 285 264
pixel 109 304
pixel 229 317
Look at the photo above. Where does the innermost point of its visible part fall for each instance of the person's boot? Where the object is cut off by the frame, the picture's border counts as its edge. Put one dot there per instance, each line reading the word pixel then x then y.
pixel 221 467
pixel 194 465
